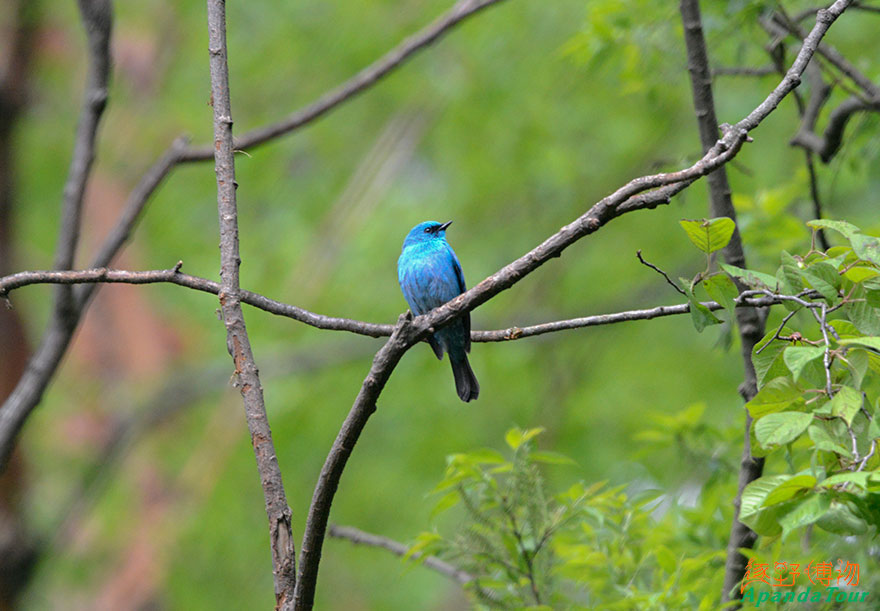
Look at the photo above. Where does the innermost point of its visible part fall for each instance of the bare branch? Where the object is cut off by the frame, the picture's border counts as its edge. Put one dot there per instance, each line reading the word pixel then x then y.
pixel 750 298
pixel 871 89
pixel 132 210
pixel 237 341
pixel 828 144
pixel 97 18
pixel 355 85
pixel 359 537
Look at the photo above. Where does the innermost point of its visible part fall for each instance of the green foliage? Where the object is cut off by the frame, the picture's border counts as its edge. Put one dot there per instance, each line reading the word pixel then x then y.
pixel 819 378
pixel 589 547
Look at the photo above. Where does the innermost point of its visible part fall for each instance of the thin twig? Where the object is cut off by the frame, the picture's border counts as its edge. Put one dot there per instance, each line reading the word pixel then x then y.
pixel 661 272
pixel 359 537
pixel 778 331
pixel 97 16
pixel 355 85
pixel 237 341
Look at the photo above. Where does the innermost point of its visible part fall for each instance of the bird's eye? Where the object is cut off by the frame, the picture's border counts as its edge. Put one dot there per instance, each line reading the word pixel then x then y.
pixel 429 230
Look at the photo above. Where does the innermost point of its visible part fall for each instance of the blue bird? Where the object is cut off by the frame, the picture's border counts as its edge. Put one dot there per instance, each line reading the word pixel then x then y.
pixel 430 275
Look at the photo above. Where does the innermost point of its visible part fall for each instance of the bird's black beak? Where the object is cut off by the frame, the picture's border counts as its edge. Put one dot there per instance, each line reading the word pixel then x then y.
pixel 444 226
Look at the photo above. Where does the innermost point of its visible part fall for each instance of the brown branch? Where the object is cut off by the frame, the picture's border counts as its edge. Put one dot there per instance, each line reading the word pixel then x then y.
pixel 359 537
pixel 131 212
pixel 809 113
pixel 828 144
pixel 407 331
pixel 237 341
pixel 97 19
pixel 871 89
pixel 332 323
pixel 355 85
pixel 749 322
pixel 809 12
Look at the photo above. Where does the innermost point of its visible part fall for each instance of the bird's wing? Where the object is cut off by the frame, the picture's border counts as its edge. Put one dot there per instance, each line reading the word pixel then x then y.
pixel 466 319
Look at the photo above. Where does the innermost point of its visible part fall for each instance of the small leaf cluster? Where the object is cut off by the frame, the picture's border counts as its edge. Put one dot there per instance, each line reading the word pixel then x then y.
pixel 589 547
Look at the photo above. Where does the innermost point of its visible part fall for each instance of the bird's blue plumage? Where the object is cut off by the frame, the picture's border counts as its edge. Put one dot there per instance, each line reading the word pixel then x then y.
pixel 430 275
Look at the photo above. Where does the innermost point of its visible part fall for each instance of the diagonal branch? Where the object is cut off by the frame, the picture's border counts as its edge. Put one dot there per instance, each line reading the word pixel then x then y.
pixel 97 18
pixel 828 144
pixel 361 81
pixel 237 341
pixel 871 89
pixel 407 331
pixel 359 537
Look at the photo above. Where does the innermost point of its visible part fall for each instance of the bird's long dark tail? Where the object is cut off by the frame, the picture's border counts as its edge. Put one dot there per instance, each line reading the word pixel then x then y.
pixel 465 381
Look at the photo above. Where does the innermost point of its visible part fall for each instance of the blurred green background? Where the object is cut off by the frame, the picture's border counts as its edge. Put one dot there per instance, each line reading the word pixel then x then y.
pixel 512 126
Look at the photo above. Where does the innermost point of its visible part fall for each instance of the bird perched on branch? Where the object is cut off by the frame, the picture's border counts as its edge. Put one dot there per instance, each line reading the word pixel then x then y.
pixel 430 275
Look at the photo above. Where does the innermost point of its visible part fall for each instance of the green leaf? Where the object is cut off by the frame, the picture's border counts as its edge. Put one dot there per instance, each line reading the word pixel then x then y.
pixel 866 247
pixel 824 278
pixel 788 489
pixel 516 437
pixel 777 395
pixel 846 404
pixel 768 362
pixel 709 235
pixel 823 440
pixel 781 428
pixel 870 342
pixel 423 540
pixel 805 512
pixel 756 449
pixel 484 456
pixel 753 279
pixel 702 316
pixel 790 275
pixel 721 289
pixel 845 328
pixel 857 362
pixel 797 357
pixel 860 274
pixel 859 478
pixel 752 513
pixel 842 518
pixel 874 428
pixel 447 501
pixel 846 229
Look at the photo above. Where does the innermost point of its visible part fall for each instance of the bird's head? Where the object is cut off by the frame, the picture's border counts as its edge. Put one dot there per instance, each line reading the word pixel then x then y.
pixel 425 232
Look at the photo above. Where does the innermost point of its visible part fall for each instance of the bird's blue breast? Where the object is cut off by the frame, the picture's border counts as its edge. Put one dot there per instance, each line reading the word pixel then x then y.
pixel 429 275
